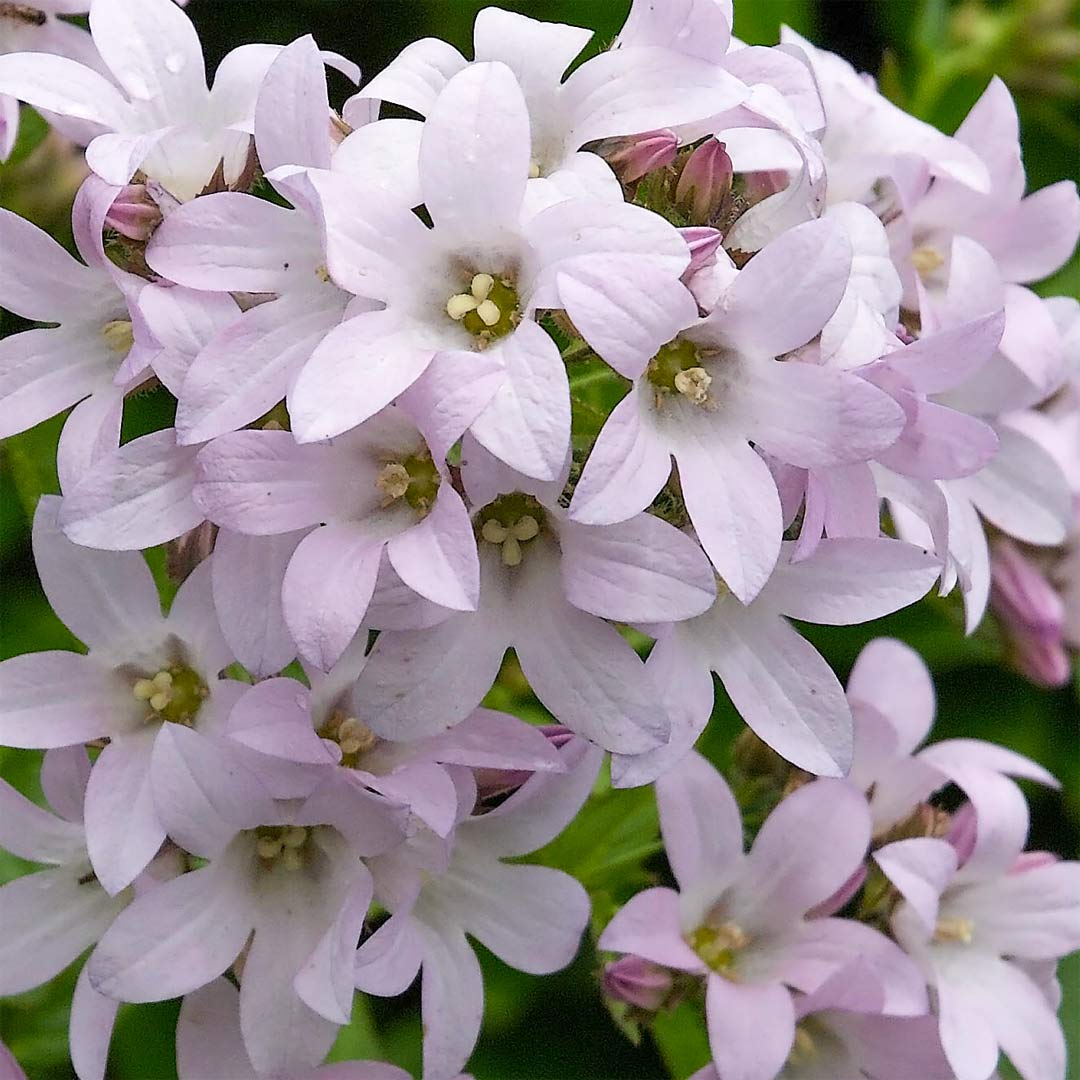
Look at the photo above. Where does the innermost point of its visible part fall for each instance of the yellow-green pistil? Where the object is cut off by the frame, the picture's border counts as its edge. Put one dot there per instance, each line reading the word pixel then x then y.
pixel 718 946
pixel 676 369
pixel 415 479
pixel 282 845
pixel 353 736
pixel 510 522
pixel 489 309
pixel 174 694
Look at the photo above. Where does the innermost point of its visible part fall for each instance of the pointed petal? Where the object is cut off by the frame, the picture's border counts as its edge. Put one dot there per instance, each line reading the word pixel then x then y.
pixel 90 1029
pixel 209 1045
pixel 527 421
pixel 176 938
pixel 136 497
pixel 920 868
pixel 803 273
pixel 700 820
pixel 437 557
pixel 477 127
pixel 642 570
pixel 751 1028
pixel 123 831
pixel 648 926
pixel 102 597
pixel 327 589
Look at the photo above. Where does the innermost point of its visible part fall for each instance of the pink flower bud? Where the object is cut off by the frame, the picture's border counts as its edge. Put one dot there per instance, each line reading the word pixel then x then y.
pixel 494 782
pixel 134 213
pixel 1031 615
pixel 633 157
pixel 704 182
pixel 637 982
pixel 703 243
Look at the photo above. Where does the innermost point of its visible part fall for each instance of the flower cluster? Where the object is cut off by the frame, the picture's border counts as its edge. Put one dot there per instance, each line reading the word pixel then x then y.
pixel 816 949
pixel 568 365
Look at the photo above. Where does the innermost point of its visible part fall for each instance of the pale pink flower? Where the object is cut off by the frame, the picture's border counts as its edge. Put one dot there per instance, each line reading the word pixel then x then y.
pixel 284 884
pixel 210 1044
pixel 99 350
pixel 840 1034
pixel 531 917
pixel 304 738
pixel 780 684
pixel 458 330
pixel 867 138
pixel 974 927
pixel 740 920
pixel 162 119
pixel 1028 237
pixel 937 442
pixel 630 90
pixel 372 489
pixel 35 29
pixel 717 387
pixel 893 704
pixel 547 585
pixel 143 675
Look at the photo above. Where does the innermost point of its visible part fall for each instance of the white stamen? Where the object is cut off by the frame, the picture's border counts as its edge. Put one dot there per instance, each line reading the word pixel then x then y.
pixel 143 690
pixel 525 528
pixel 694 383
pixel 292 859
pixel 268 847
pixel 159 700
pixel 295 836
pixel 393 481
pixel 457 307
pixel 481 286
pixel 162 680
pixel 534 169
pixel 494 532
pixel 511 551
pixel 489 312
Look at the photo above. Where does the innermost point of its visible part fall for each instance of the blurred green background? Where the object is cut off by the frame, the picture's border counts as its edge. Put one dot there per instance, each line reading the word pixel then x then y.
pixel 934 58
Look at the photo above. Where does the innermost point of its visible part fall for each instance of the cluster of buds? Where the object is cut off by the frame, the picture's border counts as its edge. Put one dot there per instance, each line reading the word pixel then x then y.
pixel 581 366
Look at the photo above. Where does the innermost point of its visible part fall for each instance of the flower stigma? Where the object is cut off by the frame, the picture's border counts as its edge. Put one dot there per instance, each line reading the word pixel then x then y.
pixel 416 479
pixel 281 845
pixel 510 522
pixel 489 310
pixel 676 369
pixel 718 945
pixel 353 736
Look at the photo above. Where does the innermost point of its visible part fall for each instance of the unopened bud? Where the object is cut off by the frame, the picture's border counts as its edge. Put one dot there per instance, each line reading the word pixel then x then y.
pixel 705 182
pixel 1031 615
pixel 134 213
pixel 633 157
pixel 638 982
pixel 703 243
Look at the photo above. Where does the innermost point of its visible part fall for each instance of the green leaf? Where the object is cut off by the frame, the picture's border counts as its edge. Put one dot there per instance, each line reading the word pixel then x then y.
pixel 682 1039
pixel 358 1041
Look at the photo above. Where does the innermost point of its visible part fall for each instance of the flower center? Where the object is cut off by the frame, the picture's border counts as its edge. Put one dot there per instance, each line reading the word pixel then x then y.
pixel 119 336
pixel 416 480
pixel 676 369
pixel 719 945
pixel 174 694
pixel 926 260
pixel 282 845
pixel 353 736
pixel 489 310
pixel 957 930
pixel 510 522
